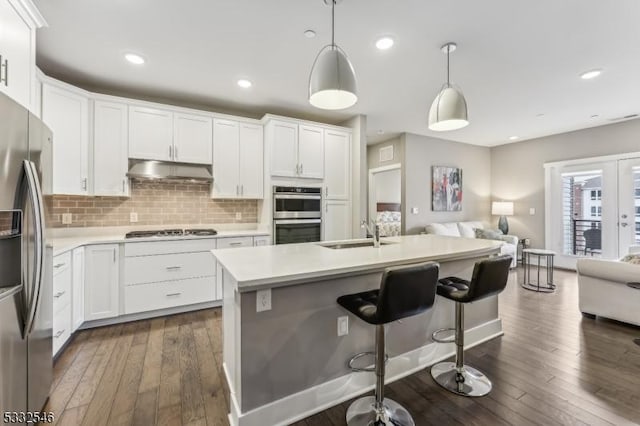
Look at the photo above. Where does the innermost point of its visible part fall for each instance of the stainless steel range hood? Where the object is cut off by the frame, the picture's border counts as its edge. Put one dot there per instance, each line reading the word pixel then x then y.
pixel 166 170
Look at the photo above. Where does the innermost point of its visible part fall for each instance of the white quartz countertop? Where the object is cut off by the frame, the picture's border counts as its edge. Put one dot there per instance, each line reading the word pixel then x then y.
pixel 271 266
pixel 64 244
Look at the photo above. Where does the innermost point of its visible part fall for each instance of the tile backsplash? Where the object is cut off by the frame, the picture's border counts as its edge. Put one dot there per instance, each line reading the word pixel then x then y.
pixel 156 203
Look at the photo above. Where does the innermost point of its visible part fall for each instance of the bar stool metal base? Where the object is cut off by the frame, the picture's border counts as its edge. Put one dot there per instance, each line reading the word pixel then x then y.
pixel 363 412
pixel 473 383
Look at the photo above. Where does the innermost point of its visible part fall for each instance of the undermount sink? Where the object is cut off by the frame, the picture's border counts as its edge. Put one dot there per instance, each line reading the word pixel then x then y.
pixel 354 244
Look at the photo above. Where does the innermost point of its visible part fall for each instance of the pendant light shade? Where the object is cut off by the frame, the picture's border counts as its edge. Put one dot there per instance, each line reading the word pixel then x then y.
pixel 449 108
pixel 332 82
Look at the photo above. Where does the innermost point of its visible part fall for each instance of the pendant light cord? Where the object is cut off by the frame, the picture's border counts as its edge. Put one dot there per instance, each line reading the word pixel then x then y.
pixel 448 53
pixel 333 23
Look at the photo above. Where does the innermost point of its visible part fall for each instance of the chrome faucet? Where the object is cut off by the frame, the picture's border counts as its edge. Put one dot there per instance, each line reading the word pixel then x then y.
pixel 375 232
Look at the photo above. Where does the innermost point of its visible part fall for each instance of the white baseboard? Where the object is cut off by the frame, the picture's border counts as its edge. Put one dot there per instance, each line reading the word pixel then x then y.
pixel 318 398
pixel 151 314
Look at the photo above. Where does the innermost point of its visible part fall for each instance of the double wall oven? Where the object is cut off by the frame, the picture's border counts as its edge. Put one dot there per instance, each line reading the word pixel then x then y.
pixel 297 214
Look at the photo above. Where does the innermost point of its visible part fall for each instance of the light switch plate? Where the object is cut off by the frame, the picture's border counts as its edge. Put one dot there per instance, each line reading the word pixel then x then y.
pixel 343 326
pixel 532 211
pixel 133 217
pixel 67 218
pixel 263 300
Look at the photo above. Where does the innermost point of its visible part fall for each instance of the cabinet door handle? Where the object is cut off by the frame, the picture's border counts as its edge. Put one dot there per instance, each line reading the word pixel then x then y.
pixel 242 190
pixel 175 152
pixel 59 294
pixel 297 169
pixel 326 191
pixel 123 186
pixel 114 255
pixel 235 244
pixel 84 184
pixel 4 65
pixel 173 294
pixel 170 152
pixel 59 333
pixel 326 207
pixel 58 265
pixel 301 168
pixel 173 268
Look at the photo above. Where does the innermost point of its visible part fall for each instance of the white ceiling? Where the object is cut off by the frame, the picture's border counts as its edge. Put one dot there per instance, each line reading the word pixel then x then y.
pixel 515 59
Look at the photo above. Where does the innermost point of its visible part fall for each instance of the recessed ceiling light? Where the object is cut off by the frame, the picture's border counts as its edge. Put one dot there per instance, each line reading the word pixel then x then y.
pixel 540 115
pixel 245 84
pixel 380 132
pixel 384 43
pixel 309 34
pixel 588 75
pixel 513 138
pixel 134 59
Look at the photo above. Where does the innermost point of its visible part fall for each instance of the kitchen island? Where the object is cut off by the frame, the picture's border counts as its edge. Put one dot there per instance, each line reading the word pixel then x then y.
pixel 282 356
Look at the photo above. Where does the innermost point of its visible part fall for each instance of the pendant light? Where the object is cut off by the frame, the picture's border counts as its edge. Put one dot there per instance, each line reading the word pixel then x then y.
pixel 449 109
pixel 332 83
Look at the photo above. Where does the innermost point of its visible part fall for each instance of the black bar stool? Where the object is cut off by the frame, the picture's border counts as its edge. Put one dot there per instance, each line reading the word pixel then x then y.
pixel 404 291
pixel 489 278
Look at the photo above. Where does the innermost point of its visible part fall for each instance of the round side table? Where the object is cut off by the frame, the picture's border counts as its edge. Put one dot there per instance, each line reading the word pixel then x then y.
pixel 549 287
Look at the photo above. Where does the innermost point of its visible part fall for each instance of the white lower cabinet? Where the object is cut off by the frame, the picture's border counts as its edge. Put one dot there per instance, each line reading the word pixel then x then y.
pixel 168 274
pixel 262 240
pixel 102 281
pixel 62 276
pixel 77 288
pixel 336 224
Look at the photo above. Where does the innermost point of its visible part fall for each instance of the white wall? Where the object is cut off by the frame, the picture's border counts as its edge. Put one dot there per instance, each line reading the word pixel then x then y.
pixel 388 186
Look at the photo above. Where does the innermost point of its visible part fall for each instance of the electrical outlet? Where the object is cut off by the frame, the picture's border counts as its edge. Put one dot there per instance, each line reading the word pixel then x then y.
pixel 414 210
pixel 67 218
pixel 532 211
pixel 343 326
pixel 133 217
pixel 263 300
pixel 238 216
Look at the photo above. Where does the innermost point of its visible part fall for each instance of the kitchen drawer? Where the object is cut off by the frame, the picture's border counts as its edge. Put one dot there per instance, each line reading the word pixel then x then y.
pixel 61 328
pixel 149 297
pixel 61 298
pixel 150 248
pixel 235 242
pixel 61 263
pixel 168 267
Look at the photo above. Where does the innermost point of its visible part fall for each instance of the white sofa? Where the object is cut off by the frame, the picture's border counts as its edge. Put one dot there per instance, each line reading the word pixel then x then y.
pixel 603 289
pixel 467 230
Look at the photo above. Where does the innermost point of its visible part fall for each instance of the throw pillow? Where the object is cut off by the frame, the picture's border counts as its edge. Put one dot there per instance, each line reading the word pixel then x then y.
pixel 634 259
pixel 489 234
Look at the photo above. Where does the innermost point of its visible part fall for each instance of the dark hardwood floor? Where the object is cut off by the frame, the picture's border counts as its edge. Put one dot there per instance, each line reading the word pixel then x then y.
pixel 552 367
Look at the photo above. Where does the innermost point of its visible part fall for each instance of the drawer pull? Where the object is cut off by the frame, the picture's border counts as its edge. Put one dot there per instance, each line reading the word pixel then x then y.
pixel 174 294
pixel 173 268
pixel 59 333
pixel 58 265
pixel 59 294
pixel 235 244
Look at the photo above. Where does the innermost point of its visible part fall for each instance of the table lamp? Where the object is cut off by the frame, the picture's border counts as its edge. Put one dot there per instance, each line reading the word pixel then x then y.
pixel 502 209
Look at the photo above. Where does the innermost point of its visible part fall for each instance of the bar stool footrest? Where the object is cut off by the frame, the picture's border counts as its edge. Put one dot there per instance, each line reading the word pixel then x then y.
pixel 451 339
pixel 365 369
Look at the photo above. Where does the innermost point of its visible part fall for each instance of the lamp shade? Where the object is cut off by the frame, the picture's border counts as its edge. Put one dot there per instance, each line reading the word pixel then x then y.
pixel 448 110
pixel 332 83
pixel 502 208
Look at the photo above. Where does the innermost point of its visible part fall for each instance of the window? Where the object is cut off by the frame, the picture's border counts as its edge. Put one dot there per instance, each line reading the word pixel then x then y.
pixel 593 210
pixel 596 194
pixel 637 210
pixel 637 192
pixel 596 211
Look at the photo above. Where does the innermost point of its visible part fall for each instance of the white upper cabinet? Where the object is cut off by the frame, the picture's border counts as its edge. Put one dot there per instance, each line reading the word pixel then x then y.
pixel 157 134
pixel 192 138
pixel 226 154
pixel 17 53
pixel 110 149
pixel 150 134
pixel 284 148
pixel 237 160
pixel 66 113
pixel 337 164
pixel 311 152
pixel 251 161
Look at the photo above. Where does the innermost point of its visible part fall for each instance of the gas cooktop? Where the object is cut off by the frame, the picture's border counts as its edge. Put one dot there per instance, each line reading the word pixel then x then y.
pixel 171 233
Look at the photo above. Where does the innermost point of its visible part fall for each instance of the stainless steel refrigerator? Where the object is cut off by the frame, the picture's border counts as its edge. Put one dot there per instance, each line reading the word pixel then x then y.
pixel 26 277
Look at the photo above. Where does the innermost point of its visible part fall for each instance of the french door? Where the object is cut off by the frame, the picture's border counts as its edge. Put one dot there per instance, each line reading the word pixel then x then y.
pixel 593 208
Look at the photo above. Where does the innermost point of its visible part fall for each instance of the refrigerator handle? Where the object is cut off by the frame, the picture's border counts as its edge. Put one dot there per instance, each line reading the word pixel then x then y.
pixel 35 197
